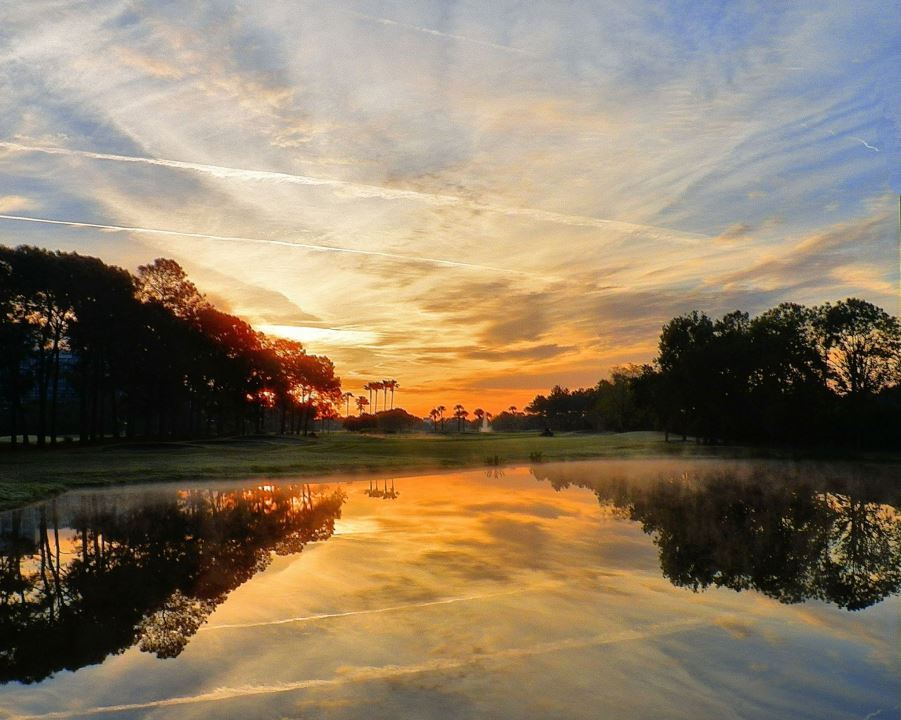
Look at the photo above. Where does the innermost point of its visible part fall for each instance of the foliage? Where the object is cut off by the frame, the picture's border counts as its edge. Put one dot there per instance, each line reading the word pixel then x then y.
pixel 89 349
pixel 386 421
pixel 792 375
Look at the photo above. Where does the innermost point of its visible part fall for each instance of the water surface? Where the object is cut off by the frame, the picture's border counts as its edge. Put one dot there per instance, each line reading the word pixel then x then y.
pixel 614 589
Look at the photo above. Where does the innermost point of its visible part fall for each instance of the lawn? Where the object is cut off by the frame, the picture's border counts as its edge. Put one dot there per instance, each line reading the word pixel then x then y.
pixel 29 474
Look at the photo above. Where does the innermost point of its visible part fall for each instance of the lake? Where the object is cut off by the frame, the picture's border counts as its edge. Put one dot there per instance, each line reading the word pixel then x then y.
pixel 615 589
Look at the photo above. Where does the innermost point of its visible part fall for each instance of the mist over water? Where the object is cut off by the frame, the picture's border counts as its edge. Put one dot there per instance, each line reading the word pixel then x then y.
pixel 643 588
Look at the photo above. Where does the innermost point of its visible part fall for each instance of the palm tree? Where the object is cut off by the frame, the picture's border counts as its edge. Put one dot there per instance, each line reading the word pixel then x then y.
pixel 361 403
pixel 385 385
pixel 441 410
pixel 376 386
pixel 393 385
pixel 460 413
pixel 347 396
pixel 368 388
pixel 433 414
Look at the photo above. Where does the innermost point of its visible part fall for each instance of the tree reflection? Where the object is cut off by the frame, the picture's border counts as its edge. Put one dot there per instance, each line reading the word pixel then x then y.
pixel 145 570
pixel 831 538
pixel 384 493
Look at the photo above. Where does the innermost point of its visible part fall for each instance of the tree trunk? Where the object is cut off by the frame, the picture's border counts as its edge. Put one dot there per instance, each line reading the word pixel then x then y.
pixel 42 394
pixel 24 423
pixel 54 400
pixel 83 404
pixel 92 434
pixel 14 404
pixel 114 412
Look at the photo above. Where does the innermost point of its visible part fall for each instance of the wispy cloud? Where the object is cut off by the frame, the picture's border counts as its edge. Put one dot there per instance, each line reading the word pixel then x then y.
pixel 259 241
pixel 865 144
pixel 437 33
pixel 364 191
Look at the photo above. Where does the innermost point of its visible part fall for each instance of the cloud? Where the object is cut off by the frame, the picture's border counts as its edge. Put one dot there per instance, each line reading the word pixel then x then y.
pixel 253 301
pixel 15 203
pixel 811 258
pixel 532 352
pixel 153 66
pixel 437 33
pixel 361 190
pixel 239 239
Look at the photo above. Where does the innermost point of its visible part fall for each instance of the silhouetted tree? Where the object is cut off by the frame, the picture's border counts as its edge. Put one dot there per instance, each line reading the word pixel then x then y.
pixel 460 413
pixel 93 349
pixel 165 282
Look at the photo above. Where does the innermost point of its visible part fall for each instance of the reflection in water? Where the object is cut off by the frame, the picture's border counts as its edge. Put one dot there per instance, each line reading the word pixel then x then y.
pixel 385 493
pixel 90 576
pixel 830 538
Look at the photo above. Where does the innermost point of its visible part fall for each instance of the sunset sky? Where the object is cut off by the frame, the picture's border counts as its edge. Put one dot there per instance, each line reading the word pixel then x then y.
pixel 479 199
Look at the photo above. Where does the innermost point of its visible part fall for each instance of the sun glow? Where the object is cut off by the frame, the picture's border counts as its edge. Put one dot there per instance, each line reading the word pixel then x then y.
pixel 329 336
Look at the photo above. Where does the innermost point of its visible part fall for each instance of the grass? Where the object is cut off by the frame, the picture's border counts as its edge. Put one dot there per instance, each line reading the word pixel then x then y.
pixel 28 474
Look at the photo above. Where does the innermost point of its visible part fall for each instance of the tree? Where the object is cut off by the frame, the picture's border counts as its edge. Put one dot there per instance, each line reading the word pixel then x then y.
pixel 461 414
pixel 392 385
pixel 14 341
pixel 685 363
pixel 616 398
pixel 386 385
pixel 787 385
pixel 397 420
pixel 362 404
pixel 106 351
pixel 862 345
pixel 376 387
pixel 165 282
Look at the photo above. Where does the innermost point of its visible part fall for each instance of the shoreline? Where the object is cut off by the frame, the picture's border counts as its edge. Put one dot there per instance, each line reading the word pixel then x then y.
pixel 32 475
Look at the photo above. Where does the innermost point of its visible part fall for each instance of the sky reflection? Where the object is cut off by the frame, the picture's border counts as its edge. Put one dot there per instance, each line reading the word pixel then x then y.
pixel 518 595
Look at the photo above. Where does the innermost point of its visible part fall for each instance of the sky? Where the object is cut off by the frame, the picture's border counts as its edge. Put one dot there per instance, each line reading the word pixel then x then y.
pixel 480 200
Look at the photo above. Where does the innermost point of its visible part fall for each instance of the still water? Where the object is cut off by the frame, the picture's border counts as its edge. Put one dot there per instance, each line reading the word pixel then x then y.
pixel 615 589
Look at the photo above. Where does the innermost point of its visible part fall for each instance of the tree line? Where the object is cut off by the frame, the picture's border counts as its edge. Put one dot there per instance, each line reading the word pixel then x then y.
pixel 93 351
pixel 829 374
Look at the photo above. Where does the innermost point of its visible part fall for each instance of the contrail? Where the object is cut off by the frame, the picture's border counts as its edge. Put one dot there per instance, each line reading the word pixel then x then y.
pixel 438 33
pixel 865 144
pixel 262 241
pixel 351 613
pixel 363 190
pixel 368 674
